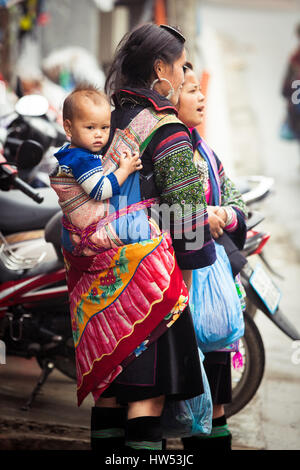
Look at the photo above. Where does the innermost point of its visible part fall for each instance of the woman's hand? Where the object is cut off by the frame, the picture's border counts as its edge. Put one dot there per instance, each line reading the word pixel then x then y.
pixel 187 275
pixel 217 220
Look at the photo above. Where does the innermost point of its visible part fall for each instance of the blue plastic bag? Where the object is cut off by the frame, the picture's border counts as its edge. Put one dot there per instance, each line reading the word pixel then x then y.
pixel 184 418
pixel 215 305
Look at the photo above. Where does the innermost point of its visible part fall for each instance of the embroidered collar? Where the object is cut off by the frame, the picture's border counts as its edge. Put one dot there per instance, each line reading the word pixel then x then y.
pixel 196 138
pixel 74 152
pixel 142 95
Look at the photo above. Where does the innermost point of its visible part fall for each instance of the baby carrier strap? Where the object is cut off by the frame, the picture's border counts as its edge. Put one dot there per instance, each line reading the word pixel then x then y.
pixel 136 136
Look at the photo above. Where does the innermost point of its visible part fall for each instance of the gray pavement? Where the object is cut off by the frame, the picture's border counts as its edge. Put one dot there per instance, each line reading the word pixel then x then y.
pixel 54 422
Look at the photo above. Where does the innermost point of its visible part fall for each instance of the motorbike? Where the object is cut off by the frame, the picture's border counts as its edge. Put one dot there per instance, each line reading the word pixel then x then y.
pixel 23 221
pixel 262 294
pixel 254 188
pixel 23 246
pixel 30 120
pixel 34 319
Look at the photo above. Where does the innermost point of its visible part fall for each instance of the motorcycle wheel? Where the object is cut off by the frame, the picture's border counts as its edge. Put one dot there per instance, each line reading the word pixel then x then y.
pixel 246 380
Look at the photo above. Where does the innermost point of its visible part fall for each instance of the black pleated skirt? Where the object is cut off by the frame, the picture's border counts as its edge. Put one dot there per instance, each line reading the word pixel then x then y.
pixel 170 367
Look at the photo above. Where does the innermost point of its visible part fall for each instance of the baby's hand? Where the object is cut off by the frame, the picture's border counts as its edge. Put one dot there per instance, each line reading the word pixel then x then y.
pixel 130 162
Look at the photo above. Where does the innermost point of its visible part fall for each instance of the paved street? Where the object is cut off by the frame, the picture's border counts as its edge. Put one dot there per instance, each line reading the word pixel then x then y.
pixel 53 422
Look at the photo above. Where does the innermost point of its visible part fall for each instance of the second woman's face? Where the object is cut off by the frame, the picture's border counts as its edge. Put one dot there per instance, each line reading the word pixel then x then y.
pixel 191 101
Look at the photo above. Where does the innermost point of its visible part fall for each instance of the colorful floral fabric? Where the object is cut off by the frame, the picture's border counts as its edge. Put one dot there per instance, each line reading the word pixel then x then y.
pixel 120 302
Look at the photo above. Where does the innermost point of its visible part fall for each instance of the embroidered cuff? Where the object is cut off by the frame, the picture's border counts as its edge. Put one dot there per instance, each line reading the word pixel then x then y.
pixel 114 184
pixel 197 259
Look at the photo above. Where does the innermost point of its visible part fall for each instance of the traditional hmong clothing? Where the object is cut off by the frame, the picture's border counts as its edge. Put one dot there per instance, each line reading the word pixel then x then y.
pixel 170 366
pixel 126 288
pixel 87 169
pixel 220 191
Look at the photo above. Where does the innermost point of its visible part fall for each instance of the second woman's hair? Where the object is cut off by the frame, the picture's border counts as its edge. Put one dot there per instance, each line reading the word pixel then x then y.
pixel 136 54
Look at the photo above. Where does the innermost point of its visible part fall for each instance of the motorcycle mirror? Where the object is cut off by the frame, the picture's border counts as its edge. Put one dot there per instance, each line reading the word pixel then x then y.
pixel 32 105
pixel 29 154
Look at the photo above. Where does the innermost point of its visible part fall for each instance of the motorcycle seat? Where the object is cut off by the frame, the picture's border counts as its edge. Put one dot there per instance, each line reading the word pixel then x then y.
pixel 19 213
pixel 254 218
pixel 53 233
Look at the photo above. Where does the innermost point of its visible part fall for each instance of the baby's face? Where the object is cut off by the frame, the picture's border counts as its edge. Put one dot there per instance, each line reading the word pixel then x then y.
pixel 90 126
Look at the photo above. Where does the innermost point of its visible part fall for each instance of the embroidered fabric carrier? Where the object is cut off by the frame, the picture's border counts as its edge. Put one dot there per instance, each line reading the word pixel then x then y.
pixel 91 217
pixel 122 296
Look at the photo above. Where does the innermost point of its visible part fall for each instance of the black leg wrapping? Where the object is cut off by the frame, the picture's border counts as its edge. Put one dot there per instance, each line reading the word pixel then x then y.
pixel 144 434
pixel 108 429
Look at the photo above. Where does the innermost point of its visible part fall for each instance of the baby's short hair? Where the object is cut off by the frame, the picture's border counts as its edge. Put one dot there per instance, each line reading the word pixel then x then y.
pixel 90 91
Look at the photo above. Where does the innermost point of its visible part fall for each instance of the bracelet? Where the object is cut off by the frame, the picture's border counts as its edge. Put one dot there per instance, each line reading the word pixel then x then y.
pixel 230 215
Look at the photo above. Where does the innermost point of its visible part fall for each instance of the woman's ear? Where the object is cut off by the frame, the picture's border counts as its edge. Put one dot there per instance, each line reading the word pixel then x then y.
pixel 68 127
pixel 159 67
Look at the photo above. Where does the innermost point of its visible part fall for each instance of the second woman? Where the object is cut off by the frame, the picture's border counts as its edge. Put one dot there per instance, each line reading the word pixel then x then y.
pixel 227 212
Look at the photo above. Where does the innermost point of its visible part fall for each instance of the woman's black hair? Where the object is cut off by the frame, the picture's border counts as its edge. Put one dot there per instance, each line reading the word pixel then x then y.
pixel 136 54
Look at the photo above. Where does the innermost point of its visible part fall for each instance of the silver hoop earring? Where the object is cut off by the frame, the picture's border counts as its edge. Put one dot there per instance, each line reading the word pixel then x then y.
pixel 157 80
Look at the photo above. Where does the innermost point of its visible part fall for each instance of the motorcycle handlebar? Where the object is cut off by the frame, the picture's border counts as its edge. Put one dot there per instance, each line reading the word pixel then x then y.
pixel 14 141
pixel 10 174
pixel 26 189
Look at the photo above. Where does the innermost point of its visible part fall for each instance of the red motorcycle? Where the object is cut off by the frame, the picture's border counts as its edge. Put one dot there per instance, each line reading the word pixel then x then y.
pixel 34 308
